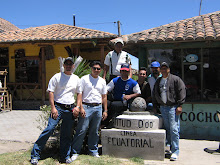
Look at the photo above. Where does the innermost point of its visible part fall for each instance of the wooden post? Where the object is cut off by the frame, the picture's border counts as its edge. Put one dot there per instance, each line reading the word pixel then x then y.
pixel 142 56
pixel 43 73
pixel 102 55
pixel 119 28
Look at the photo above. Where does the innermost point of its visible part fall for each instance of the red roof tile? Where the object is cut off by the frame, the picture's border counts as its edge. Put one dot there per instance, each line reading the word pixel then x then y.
pixel 52 33
pixel 6 26
pixel 204 27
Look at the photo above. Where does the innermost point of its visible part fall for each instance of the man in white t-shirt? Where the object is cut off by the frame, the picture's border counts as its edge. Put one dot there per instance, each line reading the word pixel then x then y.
pixel 114 59
pixel 93 92
pixel 62 87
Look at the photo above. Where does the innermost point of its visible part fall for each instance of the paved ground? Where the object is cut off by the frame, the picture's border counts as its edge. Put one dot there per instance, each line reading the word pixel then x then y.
pixel 18 131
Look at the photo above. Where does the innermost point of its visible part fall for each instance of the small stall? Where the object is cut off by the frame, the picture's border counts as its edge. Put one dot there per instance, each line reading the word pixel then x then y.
pixel 5 97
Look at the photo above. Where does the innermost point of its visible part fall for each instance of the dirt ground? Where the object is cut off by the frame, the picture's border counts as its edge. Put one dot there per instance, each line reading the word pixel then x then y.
pixel 12 146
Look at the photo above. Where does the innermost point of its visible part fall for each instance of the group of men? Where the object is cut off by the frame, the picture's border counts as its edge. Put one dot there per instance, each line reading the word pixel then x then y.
pixel 162 91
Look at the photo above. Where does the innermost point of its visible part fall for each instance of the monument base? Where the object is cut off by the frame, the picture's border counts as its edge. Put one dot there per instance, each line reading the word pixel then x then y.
pixel 148 145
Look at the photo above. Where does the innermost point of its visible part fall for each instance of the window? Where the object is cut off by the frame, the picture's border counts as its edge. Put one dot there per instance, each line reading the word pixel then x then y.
pixel 3 57
pixel 171 56
pixel 27 68
pixel 198 67
pixel 211 74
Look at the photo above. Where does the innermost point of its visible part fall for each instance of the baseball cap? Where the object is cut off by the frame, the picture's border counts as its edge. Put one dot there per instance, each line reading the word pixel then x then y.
pixel 155 64
pixel 119 40
pixel 68 59
pixel 164 64
pixel 125 67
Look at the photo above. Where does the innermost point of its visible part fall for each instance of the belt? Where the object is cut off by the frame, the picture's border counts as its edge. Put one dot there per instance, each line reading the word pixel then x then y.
pixel 65 105
pixel 92 104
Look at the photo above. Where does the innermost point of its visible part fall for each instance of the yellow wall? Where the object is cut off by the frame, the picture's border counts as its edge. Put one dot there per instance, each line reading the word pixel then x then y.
pixel 52 66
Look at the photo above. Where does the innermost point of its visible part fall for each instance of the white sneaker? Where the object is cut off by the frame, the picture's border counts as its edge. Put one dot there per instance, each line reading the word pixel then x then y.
pixel 74 156
pixel 173 157
pixel 95 155
pixel 34 161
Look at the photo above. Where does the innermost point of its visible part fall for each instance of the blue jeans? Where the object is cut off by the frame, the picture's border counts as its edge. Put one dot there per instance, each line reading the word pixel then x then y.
pixel 65 134
pixel 172 126
pixel 91 121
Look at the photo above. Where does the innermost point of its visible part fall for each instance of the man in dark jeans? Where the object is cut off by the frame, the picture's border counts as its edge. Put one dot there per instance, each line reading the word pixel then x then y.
pixel 124 89
pixel 62 88
pixel 169 94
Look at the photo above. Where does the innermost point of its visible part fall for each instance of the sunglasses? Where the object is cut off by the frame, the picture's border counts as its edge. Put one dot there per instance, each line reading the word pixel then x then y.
pixel 70 64
pixel 95 68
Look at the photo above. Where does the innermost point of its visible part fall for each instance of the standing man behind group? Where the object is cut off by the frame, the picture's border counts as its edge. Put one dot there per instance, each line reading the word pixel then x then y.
pixel 169 94
pixel 93 93
pixel 114 59
pixel 62 88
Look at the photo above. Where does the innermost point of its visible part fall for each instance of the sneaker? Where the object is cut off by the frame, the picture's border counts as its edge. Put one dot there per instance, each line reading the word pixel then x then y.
pixel 34 161
pixel 74 156
pixel 68 161
pixel 168 154
pixel 95 155
pixel 173 157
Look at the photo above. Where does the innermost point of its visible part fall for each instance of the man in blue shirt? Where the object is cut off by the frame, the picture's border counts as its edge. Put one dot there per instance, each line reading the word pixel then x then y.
pixel 124 89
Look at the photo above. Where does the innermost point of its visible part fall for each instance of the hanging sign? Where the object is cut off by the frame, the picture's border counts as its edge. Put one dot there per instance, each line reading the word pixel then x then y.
pixel 192 67
pixel 192 58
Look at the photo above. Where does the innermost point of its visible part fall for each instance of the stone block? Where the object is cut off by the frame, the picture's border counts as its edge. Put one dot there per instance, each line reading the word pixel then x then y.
pixel 138 122
pixel 148 145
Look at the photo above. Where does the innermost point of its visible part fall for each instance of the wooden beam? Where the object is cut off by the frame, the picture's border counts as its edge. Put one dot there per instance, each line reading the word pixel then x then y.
pixel 179 45
pixel 142 55
pixel 102 54
pixel 43 71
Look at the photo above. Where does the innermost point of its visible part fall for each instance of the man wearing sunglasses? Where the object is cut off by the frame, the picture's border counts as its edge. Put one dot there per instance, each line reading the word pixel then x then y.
pixel 93 93
pixel 124 89
pixel 62 87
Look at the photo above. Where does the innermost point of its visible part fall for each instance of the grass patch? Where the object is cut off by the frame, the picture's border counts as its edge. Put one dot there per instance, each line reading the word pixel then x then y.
pixel 23 158
pixel 137 160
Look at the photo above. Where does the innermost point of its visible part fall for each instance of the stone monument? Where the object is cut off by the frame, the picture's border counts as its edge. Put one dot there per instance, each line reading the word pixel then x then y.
pixel 136 134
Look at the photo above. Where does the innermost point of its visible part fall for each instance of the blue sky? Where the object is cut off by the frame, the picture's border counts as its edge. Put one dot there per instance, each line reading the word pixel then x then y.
pixel 134 16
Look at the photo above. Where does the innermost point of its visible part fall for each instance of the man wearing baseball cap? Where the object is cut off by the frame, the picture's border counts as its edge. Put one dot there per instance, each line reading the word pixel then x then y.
pixel 169 94
pixel 61 88
pixel 114 59
pixel 155 73
pixel 124 89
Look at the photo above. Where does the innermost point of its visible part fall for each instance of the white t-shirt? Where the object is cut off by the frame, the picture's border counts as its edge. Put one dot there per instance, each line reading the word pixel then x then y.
pixel 117 61
pixel 151 80
pixel 92 89
pixel 163 89
pixel 64 87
